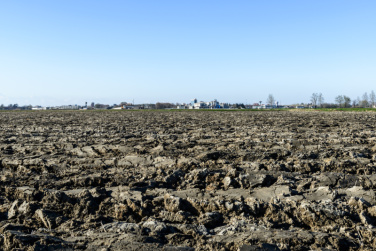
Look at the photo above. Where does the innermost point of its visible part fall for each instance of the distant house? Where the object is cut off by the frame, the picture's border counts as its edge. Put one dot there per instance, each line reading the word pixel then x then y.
pixel 138 106
pixel 38 108
pixel 225 105
pixel 207 105
pixel 198 105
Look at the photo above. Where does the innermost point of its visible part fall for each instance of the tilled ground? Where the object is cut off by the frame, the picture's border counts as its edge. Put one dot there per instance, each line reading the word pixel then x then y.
pixel 187 180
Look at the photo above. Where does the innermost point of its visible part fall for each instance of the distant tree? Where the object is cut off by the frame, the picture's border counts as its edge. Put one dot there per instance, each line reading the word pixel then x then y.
pixel 365 102
pixel 270 99
pixel 343 101
pixel 346 101
pixel 328 105
pixel 340 100
pixel 2 107
pixel 314 99
pixel 320 99
pixel 372 98
pixel 159 105
pixel 101 106
pixel 358 102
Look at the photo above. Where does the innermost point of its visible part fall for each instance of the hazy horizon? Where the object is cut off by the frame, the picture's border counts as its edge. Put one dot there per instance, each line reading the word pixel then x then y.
pixel 72 52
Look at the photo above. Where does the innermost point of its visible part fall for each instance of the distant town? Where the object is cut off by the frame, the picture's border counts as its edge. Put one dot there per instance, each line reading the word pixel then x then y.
pixel 316 101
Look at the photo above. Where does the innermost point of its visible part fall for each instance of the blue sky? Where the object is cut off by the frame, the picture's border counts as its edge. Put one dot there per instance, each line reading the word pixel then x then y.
pixel 69 52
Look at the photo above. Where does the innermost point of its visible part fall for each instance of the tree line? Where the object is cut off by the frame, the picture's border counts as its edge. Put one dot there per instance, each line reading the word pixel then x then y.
pixel 343 101
pixel 340 101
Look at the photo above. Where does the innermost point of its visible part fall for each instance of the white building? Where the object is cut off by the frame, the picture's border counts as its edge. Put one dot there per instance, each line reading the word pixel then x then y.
pixel 38 108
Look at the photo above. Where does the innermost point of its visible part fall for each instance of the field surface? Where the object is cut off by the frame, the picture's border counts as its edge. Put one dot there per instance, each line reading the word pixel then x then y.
pixel 199 180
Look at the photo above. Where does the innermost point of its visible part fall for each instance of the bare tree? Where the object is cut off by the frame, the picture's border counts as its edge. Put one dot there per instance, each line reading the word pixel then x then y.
pixel 372 98
pixel 314 99
pixel 365 102
pixel 346 101
pixel 270 99
pixel 340 100
pixel 320 99
pixel 358 102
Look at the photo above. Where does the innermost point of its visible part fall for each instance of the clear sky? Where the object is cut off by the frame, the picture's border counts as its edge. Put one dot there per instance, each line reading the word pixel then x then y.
pixel 68 51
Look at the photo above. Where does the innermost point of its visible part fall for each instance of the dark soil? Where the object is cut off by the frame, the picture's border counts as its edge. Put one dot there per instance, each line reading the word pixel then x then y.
pixel 147 180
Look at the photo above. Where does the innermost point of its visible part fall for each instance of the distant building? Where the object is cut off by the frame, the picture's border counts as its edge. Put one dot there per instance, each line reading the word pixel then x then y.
pixel 224 105
pixel 101 106
pixel 129 106
pixel 66 107
pixel 207 105
pixel 180 107
pixel 38 108
pixel 193 102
